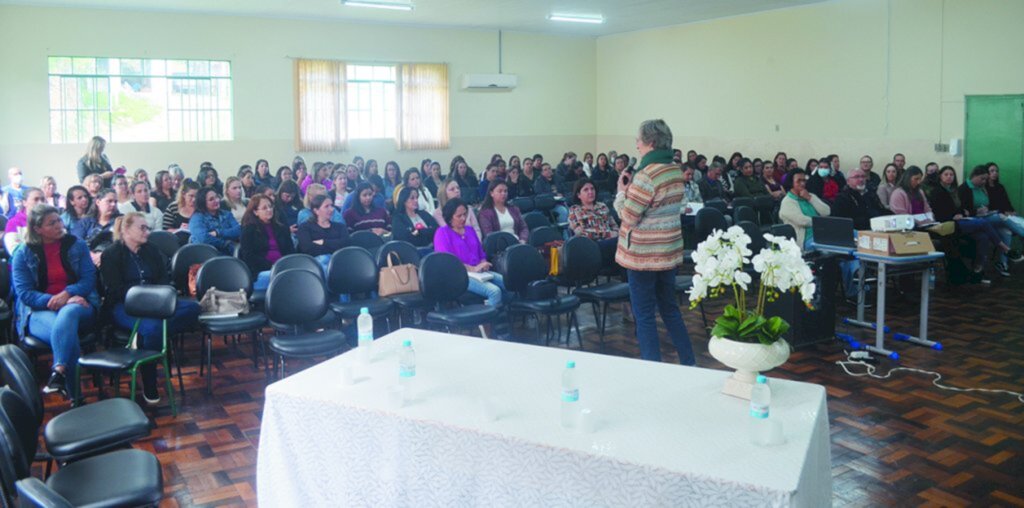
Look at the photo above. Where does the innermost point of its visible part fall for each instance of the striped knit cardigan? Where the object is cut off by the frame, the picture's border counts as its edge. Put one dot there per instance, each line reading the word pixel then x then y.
pixel 651 237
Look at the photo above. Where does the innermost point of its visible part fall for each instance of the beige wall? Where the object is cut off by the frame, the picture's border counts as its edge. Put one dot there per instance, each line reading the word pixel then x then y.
pixel 550 111
pixel 848 76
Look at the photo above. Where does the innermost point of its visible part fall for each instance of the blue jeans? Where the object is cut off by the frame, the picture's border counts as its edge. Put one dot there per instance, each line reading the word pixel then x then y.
pixel 186 315
pixel 491 290
pixel 60 329
pixel 1006 228
pixel 262 281
pixel 984 235
pixel 656 291
pixel 561 213
pixel 850 270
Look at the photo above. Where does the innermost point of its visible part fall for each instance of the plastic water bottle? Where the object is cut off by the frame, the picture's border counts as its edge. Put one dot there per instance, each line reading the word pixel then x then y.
pixel 760 402
pixel 365 326
pixel 570 396
pixel 407 368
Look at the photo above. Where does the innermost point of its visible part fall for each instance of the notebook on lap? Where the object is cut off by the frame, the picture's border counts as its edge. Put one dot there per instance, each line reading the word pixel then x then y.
pixel 834 231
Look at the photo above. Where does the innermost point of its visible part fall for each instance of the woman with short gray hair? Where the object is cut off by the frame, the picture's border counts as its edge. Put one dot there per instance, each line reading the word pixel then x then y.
pixel 651 240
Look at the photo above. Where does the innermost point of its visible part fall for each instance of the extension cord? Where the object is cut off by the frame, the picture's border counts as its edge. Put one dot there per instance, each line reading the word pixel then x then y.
pixel 869 370
pixel 860 355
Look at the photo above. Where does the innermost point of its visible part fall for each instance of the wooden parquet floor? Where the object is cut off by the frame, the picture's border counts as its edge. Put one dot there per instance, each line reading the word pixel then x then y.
pixel 895 442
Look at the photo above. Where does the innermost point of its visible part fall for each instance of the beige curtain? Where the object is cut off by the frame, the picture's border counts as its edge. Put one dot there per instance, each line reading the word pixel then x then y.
pixel 423 108
pixel 320 106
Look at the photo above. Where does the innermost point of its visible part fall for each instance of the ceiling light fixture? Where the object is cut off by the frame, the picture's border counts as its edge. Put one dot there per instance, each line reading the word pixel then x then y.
pixel 378 5
pixel 574 18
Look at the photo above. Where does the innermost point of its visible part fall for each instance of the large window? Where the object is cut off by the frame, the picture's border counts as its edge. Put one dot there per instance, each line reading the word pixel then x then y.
pixel 139 99
pixel 336 102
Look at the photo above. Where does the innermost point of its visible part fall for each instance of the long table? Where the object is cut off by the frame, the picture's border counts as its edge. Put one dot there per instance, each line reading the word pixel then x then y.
pixel 662 434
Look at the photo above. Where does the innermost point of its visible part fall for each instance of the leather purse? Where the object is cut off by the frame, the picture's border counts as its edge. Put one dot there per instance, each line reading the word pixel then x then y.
pixel 224 303
pixel 398 279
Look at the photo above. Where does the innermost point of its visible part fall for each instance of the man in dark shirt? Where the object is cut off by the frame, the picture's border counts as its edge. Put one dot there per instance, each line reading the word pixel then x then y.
pixel 855 202
pixel 711 187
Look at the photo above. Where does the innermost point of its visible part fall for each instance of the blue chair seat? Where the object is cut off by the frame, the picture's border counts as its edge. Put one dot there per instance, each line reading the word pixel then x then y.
pixel 608 292
pixel 470 315
pixel 378 308
pixel 95 427
pixel 120 478
pixel 559 305
pixel 244 323
pixel 308 344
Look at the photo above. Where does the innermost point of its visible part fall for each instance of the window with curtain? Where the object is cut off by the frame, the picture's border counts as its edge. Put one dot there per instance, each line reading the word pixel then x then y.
pixel 336 102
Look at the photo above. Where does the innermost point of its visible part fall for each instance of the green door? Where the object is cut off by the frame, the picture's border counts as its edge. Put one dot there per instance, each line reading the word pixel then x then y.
pixel 994 131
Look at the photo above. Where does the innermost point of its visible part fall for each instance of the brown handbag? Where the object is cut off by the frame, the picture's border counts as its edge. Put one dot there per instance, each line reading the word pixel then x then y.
pixel 398 279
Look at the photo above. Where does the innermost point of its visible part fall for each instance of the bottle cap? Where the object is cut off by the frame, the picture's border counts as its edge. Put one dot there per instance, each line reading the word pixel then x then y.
pixel 364 310
pixel 762 380
pixel 406 343
pixel 570 364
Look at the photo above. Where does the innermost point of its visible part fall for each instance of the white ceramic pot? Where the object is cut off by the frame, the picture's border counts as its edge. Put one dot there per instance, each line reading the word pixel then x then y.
pixel 748 360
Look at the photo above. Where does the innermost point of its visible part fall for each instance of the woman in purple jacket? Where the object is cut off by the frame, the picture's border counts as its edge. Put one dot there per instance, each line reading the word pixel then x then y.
pixel 460 240
pixel 497 215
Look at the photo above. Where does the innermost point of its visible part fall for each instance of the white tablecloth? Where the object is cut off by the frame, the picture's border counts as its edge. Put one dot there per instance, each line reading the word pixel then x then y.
pixel 664 435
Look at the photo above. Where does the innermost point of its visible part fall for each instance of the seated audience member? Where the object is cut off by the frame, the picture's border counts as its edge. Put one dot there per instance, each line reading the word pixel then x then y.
pixel 409 223
pixel 513 179
pixel 567 172
pixel 909 198
pixel 601 172
pixel 180 212
pixel 799 207
pixel 376 185
pixel 288 204
pixel 131 261
pixel 931 178
pixel 262 175
pixel 496 214
pixel 321 174
pixel 889 183
pixel 370 169
pixel 307 210
pixel 592 219
pixel 946 205
pixel 392 179
pixel 141 175
pixel 248 184
pixel 771 182
pixel 978 199
pixel 545 181
pixel 352 178
pixel 264 239
pixel 54 281
pixel 434 180
pixel 747 183
pixel 867 165
pixel 824 183
pixel 463 173
pixel 212 225
pixel 299 173
pixel 142 204
pixel 366 214
pixel 691 189
pixel 100 221
pixel 856 202
pixel 529 175
pixel 711 187
pixel 122 194
pixel 234 197
pixel 163 194
pixel 490 175
pixel 339 193
pixel 833 161
pixel 461 241
pixel 93 183
pixel 17 226
pixel 208 177
pixel 78 204
pixel 320 236
pixel 50 195
pixel 177 176
pixel 412 181
pixel 451 190
pixel 284 174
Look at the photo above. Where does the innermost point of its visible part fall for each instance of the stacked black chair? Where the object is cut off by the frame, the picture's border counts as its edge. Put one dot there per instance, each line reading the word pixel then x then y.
pixel 526 276
pixel 294 299
pixel 743 213
pixel 79 432
pixel 784 230
pixel 547 234
pixel 366 239
pixel 717 204
pixel 765 208
pixel 497 242
pixel 757 241
pixel 443 279
pixel 742 201
pixel 536 220
pixel 141 302
pixel 524 204
pixel 708 220
pixel 117 478
pixel 297 262
pixel 165 241
pixel 184 258
pixel 354 272
pixel 229 274
pixel 581 268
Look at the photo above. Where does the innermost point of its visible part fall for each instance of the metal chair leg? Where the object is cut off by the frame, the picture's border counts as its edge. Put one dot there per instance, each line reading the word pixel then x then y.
pixel 170 387
pixel 209 366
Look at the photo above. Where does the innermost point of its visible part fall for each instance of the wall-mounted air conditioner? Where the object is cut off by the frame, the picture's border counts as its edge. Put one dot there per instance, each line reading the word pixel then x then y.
pixel 489 81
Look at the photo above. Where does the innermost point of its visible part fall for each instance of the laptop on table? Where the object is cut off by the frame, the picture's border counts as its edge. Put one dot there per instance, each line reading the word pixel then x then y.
pixel 834 232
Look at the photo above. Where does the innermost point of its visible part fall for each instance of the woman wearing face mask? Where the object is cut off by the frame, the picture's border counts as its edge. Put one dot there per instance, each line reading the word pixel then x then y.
pixel 263 241
pixel 141 203
pixel 131 261
pixel 451 190
pixel 212 225
pixel 823 184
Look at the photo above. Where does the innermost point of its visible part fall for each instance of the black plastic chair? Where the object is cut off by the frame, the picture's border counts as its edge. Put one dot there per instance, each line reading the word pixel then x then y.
pixel 581 267
pixel 36 347
pixel 544 202
pixel 707 221
pixel 526 276
pixel 184 258
pixel 443 279
pixel 78 432
pixel 297 261
pixel 352 271
pixel 784 230
pixel 294 299
pixel 765 208
pixel 742 201
pixel 544 235
pixel 165 241
pixel 366 239
pixel 752 230
pixel 717 204
pixel 524 204
pixel 141 302
pixel 497 242
pixel 743 213
pixel 536 220
pixel 228 274
pixel 117 478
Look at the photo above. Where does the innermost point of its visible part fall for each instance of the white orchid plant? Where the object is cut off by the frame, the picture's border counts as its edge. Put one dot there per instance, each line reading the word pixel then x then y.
pixel 720 262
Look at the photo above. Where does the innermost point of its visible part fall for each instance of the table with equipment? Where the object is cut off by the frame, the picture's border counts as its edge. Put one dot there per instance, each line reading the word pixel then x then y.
pixel 482 428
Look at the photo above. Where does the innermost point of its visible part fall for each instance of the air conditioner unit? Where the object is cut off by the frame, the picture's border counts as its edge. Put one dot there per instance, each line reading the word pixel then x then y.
pixel 489 81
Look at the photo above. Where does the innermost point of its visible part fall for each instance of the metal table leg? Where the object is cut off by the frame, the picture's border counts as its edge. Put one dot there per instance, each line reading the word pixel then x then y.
pixel 879 346
pixel 922 338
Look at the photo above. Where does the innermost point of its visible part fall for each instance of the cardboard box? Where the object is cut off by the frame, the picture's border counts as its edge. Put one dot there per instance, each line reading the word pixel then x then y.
pixel 894 243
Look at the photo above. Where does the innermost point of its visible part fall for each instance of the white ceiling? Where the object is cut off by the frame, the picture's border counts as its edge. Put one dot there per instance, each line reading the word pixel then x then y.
pixel 514 15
